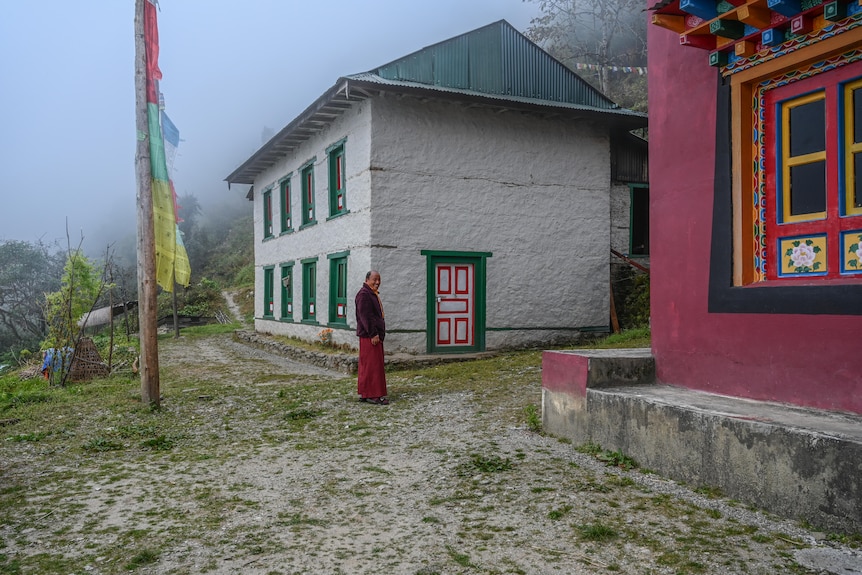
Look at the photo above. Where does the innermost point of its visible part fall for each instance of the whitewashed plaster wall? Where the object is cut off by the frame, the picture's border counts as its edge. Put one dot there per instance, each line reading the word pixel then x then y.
pixel 532 191
pixel 346 232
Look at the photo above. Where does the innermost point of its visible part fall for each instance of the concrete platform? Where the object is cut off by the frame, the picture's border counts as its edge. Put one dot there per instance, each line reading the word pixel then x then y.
pixel 798 463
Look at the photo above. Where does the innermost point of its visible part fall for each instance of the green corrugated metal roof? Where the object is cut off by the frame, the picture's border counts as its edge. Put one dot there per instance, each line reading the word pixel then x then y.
pixel 497 60
pixel 493 65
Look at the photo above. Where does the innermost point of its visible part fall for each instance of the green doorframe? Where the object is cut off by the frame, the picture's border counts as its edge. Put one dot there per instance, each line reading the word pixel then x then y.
pixel 479 261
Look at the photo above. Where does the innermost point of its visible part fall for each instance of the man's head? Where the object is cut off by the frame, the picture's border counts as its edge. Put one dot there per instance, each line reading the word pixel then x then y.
pixel 372 280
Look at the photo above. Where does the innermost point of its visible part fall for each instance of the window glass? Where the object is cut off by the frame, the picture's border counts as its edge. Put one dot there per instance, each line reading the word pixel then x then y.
pixel 808 188
pixel 807 128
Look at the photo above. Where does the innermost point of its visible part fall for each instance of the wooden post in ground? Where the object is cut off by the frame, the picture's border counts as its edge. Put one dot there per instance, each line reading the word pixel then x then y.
pixel 147 289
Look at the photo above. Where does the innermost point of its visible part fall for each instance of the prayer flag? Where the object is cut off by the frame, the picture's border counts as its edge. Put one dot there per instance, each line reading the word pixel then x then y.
pixel 170 252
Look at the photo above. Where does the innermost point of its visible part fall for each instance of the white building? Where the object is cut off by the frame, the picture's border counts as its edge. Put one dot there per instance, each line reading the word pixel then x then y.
pixel 474 175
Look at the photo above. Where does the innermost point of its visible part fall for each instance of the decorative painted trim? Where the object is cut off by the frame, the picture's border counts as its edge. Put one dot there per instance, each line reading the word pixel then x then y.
pixel 851 251
pixel 792 45
pixel 802 256
pixel 337 255
pixel 759 205
pixel 763 298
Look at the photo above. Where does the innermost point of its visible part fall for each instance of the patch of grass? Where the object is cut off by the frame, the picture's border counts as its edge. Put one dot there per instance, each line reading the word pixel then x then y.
pixel 158 443
pixel 301 414
pixel 610 458
pixel 33 437
pixel 598 532
pixel 461 559
pixel 534 418
pixel 710 492
pixel 141 558
pixel 486 464
pixel 560 512
pixel 636 337
pixel 102 444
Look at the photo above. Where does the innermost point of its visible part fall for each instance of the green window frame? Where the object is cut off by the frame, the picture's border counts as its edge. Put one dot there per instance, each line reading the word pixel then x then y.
pixel 309 290
pixel 307 178
pixel 337 180
pixel 267 214
pixel 286 291
pixel 286 216
pixel 268 292
pixel 338 288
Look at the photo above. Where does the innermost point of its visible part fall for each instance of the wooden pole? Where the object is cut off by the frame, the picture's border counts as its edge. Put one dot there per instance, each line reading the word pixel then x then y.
pixel 147 290
pixel 176 317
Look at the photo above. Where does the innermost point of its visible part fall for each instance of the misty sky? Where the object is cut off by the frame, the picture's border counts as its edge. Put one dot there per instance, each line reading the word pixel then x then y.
pixel 231 70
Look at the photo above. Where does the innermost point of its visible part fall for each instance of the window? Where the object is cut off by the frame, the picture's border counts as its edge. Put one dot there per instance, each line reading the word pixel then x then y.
pixel 287 291
pixel 268 303
pixel 338 288
pixel 267 214
pixel 796 136
pixel 337 187
pixel 309 290
pixel 639 232
pixel 286 220
pixel 307 176
pixel 812 217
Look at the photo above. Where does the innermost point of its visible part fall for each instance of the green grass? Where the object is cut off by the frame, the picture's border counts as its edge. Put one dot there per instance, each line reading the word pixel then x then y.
pixel 636 337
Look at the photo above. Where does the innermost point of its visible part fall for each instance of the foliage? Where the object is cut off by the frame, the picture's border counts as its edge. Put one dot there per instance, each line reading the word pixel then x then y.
pixel 80 289
pixel 632 297
pixel 27 272
pixel 534 418
pixel 202 299
pixel 603 33
pixel 325 336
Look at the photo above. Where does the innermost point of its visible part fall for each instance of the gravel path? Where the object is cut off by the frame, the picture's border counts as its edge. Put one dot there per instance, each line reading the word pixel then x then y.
pixel 272 467
pixel 445 482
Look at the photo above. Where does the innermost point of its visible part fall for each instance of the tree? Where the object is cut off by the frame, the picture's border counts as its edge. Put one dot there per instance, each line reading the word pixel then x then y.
pixel 80 290
pixel 602 34
pixel 27 272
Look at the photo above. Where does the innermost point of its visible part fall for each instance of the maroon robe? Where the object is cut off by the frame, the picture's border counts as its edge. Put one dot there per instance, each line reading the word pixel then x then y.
pixel 369 322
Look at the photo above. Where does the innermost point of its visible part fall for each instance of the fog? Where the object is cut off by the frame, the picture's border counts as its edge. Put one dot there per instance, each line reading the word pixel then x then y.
pixel 232 72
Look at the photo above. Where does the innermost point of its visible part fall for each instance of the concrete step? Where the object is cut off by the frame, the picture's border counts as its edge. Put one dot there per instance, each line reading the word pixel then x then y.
pixel 796 462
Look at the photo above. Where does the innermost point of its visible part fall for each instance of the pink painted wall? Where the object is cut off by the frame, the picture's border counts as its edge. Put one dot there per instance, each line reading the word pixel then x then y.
pixel 810 360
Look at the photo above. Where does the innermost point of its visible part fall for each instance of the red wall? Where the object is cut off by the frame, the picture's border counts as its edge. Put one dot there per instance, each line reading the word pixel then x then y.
pixel 811 360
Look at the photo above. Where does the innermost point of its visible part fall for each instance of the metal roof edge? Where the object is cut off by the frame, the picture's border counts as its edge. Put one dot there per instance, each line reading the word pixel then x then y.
pixel 378 83
pixel 315 107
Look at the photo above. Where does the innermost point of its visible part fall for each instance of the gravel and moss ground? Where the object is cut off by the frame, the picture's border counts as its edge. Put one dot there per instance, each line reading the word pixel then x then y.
pixel 255 464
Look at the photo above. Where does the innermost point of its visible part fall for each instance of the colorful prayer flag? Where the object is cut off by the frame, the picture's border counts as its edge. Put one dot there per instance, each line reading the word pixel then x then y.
pixel 171 257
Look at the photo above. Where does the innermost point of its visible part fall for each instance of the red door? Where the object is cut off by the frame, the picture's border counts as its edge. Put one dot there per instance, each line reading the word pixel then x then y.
pixel 455 303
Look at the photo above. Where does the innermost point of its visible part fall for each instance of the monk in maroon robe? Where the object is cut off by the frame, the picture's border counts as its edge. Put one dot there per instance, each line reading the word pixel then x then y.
pixel 371 329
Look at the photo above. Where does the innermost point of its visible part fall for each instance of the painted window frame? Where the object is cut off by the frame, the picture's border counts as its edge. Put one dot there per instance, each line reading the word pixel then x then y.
pixel 338 288
pixel 286 311
pixel 285 205
pixel 759 171
pixel 267 214
pixel 269 292
pixel 732 288
pixel 337 163
pixel 309 291
pixel 852 138
pixel 306 176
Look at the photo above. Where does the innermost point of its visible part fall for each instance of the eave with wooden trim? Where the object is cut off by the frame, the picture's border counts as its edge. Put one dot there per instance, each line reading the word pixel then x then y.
pixel 742 33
